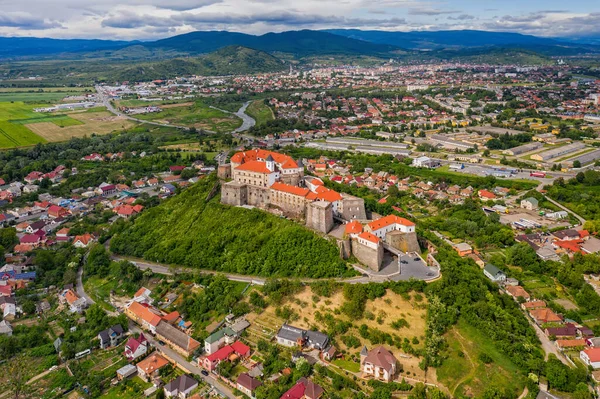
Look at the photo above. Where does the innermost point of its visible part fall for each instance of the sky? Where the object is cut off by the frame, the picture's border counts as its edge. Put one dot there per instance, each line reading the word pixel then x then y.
pixel 154 19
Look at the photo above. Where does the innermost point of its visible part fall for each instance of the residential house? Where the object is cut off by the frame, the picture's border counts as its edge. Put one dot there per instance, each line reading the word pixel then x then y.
pixel 218 339
pixel 493 273
pixel 147 317
pixel 563 332
pixel 570 344
pixel 150 366
pixel 591 357
pixel 83 241
pixel 111 336
pixel 69 298
pixel 378 363
pixel 530 203
pixel 518 292
pixel 55 211
pixel 176 338
pixel 136 347
pixel 304 389
pixel 228 352
pixel 294 336
pixel 463 249
pixel 247 384
pixel 544 315
pixel 143 296
pixel 533 305
pixel 485 195
pixel 180 387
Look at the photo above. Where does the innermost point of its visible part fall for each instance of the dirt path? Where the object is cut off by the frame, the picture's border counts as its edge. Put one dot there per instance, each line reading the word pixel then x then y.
pixel 462 380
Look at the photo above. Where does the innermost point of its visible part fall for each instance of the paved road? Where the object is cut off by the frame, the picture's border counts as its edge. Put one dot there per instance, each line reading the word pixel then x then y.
pixel 171 354
pixel 167 270
pixel 547 345
pixel 80 291
pixel 564 208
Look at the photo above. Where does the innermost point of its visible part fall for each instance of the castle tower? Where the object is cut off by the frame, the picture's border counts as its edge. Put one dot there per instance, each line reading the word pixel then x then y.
pixel 270 163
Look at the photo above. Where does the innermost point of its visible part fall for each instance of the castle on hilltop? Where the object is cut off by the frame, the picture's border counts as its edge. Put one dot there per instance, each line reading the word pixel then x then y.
pixel 268 179
pixel 274 181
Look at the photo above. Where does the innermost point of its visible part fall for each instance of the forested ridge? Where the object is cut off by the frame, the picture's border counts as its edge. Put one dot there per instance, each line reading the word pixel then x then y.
pixel 189 231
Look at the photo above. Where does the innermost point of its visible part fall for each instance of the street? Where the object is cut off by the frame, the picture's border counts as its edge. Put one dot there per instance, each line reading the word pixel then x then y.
pixel 171 354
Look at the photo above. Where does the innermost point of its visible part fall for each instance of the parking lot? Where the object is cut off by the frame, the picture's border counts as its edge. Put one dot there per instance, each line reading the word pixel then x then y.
pixel 407 267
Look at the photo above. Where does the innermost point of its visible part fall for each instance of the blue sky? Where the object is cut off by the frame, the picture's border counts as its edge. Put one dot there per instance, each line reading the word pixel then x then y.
pixel 151 19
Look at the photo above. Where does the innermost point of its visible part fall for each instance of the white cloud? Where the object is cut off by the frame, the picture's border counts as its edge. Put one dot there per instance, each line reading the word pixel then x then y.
pixel 150 19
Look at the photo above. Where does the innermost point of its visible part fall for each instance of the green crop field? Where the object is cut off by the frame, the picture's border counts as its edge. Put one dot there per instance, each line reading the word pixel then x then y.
pixel 14 135
pixel 57 119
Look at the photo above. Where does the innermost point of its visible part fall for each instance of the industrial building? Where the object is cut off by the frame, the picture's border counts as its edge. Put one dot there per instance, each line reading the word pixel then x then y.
pixel 369 143
pixel 558 152
pixel 448 143
pixel 522 149
pixel 585 159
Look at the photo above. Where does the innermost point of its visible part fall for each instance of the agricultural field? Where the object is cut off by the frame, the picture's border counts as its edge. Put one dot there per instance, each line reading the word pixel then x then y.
pixel 197 115
pixel 473 363
pixel 41 95
pixel 87 123
pixel 260 112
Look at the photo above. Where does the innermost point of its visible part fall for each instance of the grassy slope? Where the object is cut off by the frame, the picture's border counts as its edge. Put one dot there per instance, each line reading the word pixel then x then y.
pixel 463 373
pixel 198 115
pixel 259 111
pixel 186 230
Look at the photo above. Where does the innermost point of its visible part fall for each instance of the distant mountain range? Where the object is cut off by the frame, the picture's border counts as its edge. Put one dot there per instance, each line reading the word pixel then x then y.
pixel 298 44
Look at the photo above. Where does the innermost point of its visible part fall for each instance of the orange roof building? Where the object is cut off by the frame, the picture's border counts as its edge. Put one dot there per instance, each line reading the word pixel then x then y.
pixel 150 366
pixel 384 225
pixel 544 315
pixel 354 227
pixel 143 315
pixel 518 291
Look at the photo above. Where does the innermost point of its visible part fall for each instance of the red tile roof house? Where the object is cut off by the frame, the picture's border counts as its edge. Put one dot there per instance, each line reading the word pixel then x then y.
pixel 33 177
pixel 228 352
pixel 136 347
pixel 175 169
pixel 304 388
pixel 56 211
pixel 591 357
pixel 62 234
pixel 486 195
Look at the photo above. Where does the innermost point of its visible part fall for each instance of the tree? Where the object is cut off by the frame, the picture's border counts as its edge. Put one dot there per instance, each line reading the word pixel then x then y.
pixel 98 261
pixel 576 164
pixel 160 394
pixel 18 378
pixel 29 307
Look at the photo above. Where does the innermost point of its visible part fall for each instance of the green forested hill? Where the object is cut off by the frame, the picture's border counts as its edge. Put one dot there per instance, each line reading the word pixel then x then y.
pixel 230 60
pixel 188 231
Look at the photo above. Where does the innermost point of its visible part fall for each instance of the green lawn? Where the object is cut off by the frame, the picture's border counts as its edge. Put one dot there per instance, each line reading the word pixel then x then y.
pixel 260 112
pixel 347 365
pixel 463 372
